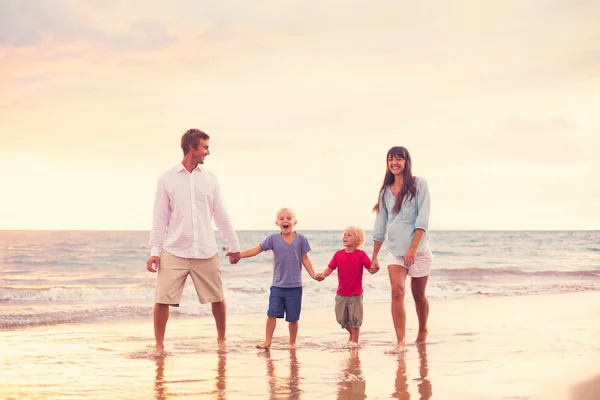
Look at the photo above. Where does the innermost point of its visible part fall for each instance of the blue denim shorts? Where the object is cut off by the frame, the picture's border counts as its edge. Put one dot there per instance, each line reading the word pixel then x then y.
pixel 285 300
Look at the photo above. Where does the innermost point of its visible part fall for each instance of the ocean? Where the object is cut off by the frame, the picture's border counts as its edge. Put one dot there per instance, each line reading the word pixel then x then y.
pixel 56 277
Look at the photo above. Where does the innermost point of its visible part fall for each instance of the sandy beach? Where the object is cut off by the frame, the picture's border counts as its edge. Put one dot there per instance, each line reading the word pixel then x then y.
pixel 524 347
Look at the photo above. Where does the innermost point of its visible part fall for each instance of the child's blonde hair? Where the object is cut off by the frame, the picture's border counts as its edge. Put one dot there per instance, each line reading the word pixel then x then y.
pixel 285 209
pixel 359 232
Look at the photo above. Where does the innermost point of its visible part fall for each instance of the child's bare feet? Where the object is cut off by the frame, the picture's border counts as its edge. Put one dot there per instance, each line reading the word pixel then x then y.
pixel 264 346
pixel 222 344
pixel 422 336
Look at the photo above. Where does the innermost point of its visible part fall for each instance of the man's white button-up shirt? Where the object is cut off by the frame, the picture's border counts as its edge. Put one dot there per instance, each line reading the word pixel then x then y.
pixel 184 208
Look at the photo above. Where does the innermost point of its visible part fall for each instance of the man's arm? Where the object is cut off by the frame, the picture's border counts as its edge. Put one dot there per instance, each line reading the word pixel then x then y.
pixel 160 219
pixel 223 223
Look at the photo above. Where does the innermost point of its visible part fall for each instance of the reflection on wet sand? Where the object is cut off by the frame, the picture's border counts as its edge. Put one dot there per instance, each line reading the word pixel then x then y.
pixel 279 388
pixel 160 389
pixel 220 391
pixel 221 378
pixel 352 384
pixel 401 381
pixel 424 386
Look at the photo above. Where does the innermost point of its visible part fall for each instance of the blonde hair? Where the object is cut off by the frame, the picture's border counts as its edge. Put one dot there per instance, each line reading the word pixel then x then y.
pixel 285 209
pixel 359 232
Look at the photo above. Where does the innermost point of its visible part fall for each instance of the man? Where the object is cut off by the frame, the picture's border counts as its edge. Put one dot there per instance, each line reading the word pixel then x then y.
pixel 182 240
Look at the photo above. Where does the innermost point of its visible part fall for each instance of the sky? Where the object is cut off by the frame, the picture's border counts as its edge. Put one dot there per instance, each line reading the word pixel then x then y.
pixel 497 102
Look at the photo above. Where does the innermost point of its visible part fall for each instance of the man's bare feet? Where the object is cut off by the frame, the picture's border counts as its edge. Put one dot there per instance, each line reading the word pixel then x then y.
pixel 157 352
pixel 292 346
pixel 264 346
pixel 422 337
pixel 222 344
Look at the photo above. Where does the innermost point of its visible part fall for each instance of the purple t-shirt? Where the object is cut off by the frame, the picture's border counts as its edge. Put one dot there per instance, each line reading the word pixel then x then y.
pixel 287 259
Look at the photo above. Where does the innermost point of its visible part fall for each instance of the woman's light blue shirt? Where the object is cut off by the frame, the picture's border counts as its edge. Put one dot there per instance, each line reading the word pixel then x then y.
pixel 401 227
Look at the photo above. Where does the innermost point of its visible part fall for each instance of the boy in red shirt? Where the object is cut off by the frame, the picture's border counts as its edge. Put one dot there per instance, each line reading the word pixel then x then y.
pixel 350 262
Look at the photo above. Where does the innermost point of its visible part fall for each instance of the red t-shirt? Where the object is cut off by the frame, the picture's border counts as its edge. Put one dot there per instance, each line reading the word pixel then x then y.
pixel 350 271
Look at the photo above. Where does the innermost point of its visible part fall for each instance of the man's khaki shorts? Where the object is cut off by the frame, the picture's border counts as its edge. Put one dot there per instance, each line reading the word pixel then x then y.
pixel 173 271
pixel 349 310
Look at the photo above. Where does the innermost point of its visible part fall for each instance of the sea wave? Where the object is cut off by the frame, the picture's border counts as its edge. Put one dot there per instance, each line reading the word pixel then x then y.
pixel 491 272
pixel 29 307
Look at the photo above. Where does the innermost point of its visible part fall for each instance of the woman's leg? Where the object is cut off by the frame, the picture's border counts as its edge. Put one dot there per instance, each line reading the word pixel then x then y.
pixel 397 283
pixel 417 286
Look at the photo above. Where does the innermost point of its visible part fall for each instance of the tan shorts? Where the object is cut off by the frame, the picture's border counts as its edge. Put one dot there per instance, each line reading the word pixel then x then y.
pixel 349 310
pixel 173 271
pixel 420 268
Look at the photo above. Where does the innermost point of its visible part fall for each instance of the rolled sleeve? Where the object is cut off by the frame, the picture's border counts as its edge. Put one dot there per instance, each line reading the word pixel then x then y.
pixel 423 205
pixel 380 226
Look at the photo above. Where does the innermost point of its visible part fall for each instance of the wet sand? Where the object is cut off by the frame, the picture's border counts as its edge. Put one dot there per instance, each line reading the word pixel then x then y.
pixel 526 347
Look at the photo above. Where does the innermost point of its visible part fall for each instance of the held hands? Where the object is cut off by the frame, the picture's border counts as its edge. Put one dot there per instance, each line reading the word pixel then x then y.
pixel 233 257
pixel 319 277
pixel 153 263
pixel 374 268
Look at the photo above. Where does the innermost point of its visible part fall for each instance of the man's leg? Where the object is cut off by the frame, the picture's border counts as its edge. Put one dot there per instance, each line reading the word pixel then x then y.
pixel 219 311
pixel 170 282
pixel 161 316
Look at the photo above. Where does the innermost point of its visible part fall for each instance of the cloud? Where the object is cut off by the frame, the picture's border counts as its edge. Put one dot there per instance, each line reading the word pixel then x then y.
pixel 51 23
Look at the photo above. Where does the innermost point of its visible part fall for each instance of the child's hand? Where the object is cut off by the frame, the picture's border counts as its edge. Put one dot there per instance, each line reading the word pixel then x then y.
pixel 233 257
pixel 319 277
pixel 373 269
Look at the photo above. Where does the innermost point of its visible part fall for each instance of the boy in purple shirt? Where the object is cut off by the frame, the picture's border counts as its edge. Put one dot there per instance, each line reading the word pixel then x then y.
pixel 290 252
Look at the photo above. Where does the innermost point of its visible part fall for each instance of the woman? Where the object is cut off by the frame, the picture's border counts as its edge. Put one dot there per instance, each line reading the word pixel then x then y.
pixel 403 212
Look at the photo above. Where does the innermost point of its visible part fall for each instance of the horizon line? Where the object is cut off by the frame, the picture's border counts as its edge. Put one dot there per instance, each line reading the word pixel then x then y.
pixel 312 230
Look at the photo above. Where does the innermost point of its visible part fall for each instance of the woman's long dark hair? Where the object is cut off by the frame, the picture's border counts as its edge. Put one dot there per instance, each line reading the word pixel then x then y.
pixel 409 187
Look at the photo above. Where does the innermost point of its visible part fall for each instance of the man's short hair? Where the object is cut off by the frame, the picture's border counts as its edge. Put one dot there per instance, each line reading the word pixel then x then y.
pixel 192 137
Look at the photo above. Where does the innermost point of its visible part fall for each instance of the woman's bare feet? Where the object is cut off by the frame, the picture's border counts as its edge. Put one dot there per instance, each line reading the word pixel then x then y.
pixel 400 347
pixel 421 337
pixel 157 352
pixel 292 346
pixel 264 346
pixel 222 344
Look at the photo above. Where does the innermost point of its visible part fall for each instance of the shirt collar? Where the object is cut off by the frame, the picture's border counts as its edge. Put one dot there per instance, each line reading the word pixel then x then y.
pixel 180 168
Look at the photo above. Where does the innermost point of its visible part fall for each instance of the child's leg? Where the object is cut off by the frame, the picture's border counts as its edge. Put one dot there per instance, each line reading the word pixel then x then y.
pixel 341 314
pixel 293 334
pixel 355 313
pixel 354 332
pixel 269 330
pixel 276 307
pixel 350 332
pixel 293 306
